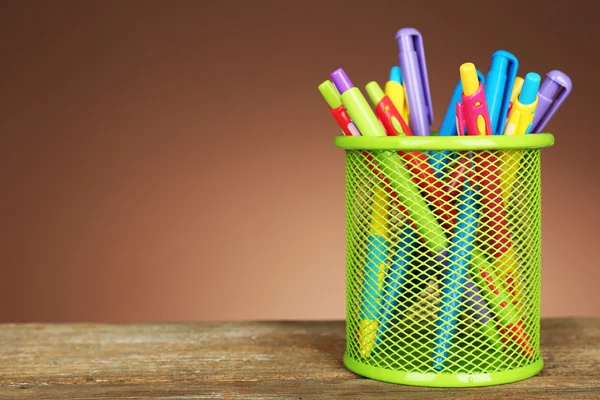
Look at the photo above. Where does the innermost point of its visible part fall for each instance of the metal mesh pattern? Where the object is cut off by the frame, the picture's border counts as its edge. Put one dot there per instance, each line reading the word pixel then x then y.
pixel 443 271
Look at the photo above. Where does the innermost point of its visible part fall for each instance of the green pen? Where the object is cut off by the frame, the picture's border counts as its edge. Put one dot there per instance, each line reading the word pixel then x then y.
pixel 424 218
pixel 391 165
pixel 511 325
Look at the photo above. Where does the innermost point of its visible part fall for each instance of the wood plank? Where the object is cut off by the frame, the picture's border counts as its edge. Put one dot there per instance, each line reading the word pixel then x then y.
pixel 260 360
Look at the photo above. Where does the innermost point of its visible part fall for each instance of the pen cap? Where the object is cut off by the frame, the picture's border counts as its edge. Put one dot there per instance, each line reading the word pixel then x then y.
pixel 330 94
pixel 508 64
pixel 396 74
pixel 374 91
pixel 499 83
pixel 468 78
pixel 410 40
pixel 341 80
pixel 553 92
pixel 529 91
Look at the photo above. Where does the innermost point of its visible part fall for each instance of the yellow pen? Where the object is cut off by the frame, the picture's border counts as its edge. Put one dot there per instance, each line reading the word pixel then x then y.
pixel 520 121
pixel 396 92
pixel 516 89
pixel 375 265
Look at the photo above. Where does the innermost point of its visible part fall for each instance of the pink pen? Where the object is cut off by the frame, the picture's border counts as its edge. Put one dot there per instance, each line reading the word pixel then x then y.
pixel 494 234
pixel 473 112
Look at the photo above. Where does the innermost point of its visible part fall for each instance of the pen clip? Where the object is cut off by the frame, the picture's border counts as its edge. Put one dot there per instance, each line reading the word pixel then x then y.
pixel 511 75
pixel 417 40
pixel 565 86
pixel 460 119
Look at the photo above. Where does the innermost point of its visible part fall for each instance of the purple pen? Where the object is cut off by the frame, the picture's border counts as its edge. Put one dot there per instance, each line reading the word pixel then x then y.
pixel 552 93
pixel 416 82
pixel 477 308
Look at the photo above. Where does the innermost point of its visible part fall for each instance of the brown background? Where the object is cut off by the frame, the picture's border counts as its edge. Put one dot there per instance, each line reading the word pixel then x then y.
pixel 175 161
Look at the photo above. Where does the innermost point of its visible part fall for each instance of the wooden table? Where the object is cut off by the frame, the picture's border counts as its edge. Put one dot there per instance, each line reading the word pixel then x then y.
pixel 257 360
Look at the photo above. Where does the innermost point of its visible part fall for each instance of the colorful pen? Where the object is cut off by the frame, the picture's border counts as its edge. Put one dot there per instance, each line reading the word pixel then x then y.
pixel 416 82
pixel 477 307
pixel 526 103
pixel 553 92
pixel 439 159
pixel 453 283
pixel 356 105
pixel 396 180
pixel 377 254
pixel 513 96
pixel 332 97
pixel 495 233
pixel 416 161
pixel 386 111
pixel 511 325
pixel 519 123
pixel 515 91
pixel 395 279
pixel 472 114
pixel 396 92
pixel 498 87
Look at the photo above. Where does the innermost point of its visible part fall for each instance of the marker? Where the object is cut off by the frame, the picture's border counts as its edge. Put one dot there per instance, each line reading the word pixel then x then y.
pixel 510 324
pixel 499 83
pixel 453 283
pixel 416 82
pixel 332 97
pixel 388 114
pixel 356 105
pixel 416 161
pixel 396 92
pixel 439 159
pixel 472 114
pixel 554 90
pixel 377 254
pixel 519 123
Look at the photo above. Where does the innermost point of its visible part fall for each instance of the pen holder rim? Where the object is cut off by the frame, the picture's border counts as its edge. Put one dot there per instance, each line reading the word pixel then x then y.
pixel 426 143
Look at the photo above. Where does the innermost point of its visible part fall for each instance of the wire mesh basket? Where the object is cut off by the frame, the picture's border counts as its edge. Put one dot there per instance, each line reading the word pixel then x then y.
pixel 443 258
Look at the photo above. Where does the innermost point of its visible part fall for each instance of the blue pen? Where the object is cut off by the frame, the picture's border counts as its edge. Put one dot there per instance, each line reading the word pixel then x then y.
pixel 416 82
pixel 455 275
pixel 439 159
pixel 395 279
pixel 498 87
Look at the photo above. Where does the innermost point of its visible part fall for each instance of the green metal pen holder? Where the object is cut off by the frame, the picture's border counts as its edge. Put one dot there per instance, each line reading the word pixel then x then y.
pixel 443 251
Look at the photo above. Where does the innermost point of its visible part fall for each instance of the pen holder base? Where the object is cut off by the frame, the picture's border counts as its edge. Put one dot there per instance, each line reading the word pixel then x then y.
pixel 443 244
pixel 443 379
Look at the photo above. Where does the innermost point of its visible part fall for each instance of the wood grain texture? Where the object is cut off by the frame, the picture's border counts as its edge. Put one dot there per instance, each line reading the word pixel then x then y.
pixel 255 360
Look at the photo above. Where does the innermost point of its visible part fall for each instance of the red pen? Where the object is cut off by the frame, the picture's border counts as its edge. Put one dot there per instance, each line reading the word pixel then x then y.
pixel 337 109
pixel 416 161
